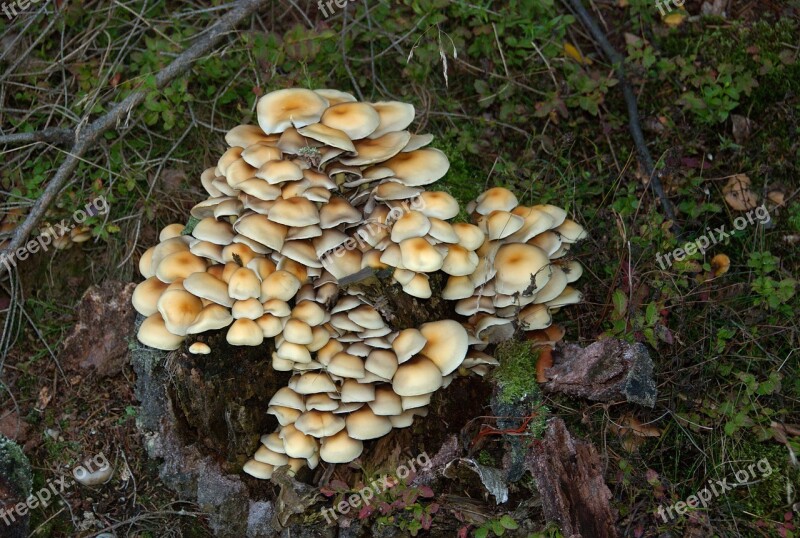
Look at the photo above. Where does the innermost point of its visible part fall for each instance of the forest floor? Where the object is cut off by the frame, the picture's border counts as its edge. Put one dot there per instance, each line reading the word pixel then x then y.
pixel 517 95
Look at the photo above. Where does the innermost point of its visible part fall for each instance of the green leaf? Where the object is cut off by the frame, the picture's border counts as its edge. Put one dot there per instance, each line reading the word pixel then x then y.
pixel 620 302
pixel 508 522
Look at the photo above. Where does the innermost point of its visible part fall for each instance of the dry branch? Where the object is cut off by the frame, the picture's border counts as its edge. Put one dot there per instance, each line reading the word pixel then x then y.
pixel 86 137
pixel 634 125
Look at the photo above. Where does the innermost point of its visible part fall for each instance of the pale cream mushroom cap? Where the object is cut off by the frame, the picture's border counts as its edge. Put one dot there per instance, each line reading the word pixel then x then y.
pixel 247 308
pixel 556 213
pixel 284 415
pixel 293 352
pixel 381 362
pixel 342 264
pixel 460 261
pixel 570 231
pixel 501 224
pixel 245 135
pixel 340 448
pixel 447 344
pixel 256 469
pixel 297 211
pixel 338 211
pixel 569 296
pixel 411 224
pixel 356 120
pixel 273 442
pixel 419 287
pixel 228 158
pixel 319 423
pixel 212 317
pixel 554 287
pixel 458 287
pixel 238 172
pixel 408 343
pixel 386 402
pixel 536 222
pixel 415 402
pixel 469 236
pixel 146 295
pixel 199 348
pixel 171 230
pixel 346 365
pixel 549 241
pixel 417 376
pixel 535 316
pixel 298 444
pixel 280 285
pixel 418 255
pixel 258 154
pixel 321 402
pixel 242 251
pixel 208 250
pixel 244 284
pixel 265 455
pixel 153 333
pixel 214 231
pixel 297 332
pixel 438 204
pixel 335 97
pixel 244 332
pixel 263 267
pixel 354 392
pixel 178 309
pixel 363 424
pixel 276 172
pixel 179 265
pixel 371 151
pixel 282 109
pixel 496 198
pixel 328 136
pixel 367 317
pixel 394 116
pixel 276 307
pixel 521 267
pixel 286 397
pixel 442 230
pixel 406 418
pixel 270 324
pixel 419 167
pixel 145 263
pixel 313 383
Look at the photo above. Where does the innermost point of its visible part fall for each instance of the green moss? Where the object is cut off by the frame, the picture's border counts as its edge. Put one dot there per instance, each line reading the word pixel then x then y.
pixel 516 375
pixel 15 465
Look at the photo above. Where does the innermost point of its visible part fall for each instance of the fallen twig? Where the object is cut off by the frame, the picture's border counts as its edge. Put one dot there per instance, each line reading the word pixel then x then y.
pixel 55 135
pixel 85 138
pixel 635 127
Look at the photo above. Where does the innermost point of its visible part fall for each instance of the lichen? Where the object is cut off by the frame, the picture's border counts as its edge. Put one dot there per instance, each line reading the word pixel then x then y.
pixel 16 466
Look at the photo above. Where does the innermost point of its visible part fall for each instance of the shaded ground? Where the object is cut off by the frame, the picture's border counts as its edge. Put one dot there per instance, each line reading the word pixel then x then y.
pixel 516 107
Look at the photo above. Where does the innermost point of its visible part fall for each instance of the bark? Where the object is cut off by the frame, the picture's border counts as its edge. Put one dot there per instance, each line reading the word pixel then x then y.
pixel 569 476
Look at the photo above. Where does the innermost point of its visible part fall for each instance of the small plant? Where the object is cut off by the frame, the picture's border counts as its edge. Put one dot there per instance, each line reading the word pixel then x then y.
pixel 771 293
pixel 497 526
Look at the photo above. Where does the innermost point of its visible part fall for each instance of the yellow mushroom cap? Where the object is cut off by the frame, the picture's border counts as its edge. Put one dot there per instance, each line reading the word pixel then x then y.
pixel 282 109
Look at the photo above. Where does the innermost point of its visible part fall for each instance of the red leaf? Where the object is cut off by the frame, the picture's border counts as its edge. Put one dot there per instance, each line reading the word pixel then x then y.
pixel 426 492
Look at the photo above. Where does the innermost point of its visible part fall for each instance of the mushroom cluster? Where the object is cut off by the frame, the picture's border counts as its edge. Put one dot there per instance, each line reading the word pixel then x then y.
pixel 325 187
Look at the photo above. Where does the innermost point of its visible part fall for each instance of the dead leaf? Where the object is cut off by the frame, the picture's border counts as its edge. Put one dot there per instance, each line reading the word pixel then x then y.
pixel 720 264
pixel 738 194
pixel 776 197
pixel 44 398
pixel 742 128
pixel 675 19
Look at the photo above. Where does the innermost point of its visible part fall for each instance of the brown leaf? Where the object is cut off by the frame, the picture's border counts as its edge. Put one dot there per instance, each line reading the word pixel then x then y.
pixel 738 194
pixel 44 398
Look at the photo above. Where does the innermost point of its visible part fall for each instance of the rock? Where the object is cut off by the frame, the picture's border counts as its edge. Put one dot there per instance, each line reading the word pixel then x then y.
pixel 603 371
pixel 16 483
pixel 569 477
pixel 100 338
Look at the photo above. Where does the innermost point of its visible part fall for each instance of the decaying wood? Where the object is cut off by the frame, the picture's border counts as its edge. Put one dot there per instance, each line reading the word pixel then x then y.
pixel 569 477
pixel 604 371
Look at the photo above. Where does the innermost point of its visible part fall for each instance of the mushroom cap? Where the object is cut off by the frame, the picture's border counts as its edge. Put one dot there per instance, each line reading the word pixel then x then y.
pixel 394 116
pixel 276 172
pixel 266 455
pixel 340 448
pixel 293 352
pixel 419 286
pixel 363 424
pixel 371 151
pixel 259 228
pixel 212 317
pixel 257 469
pixel 179 265
pixel 570 231
pixel 321 402
pixel 411 224
pixel 256 155
pixel 418 255
pixel 153 333
pixel 247 308
pixel 573 270
pixel 496 198
pixel 355 392
pixel 386 402
pixel 245 135
pixel 381 362
pixel 535 316
pixel 171 230
pixel 414 402
pixel 338 211
pixel 309 312
pixel 366 316
pixel 296 443
pixel 554 287
pixel 244 284
pixel 418 167
pixel 459 261
pixel 335 97
pixel 284 415
pixel 282 109
pixel 281 285
pixel 447 344
pixel 438 204
pixel 356 120
pixel 441 230
pixel 408 343
pixel 313 383
pixel 501 224
pixel 346 365
pixel 328 136
pixel 569 296
pixel 286 397
pixel 319 423
pixel 520 267
pixel 271 325
pixel 417 376
pixel 145 296
pixel 214 231
pixel 296 211
pixel 458 287
pixel 244 332
pixel 199 348
pixel 178 309
pixel 469 236
pixel 406 418
pixel 557 214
